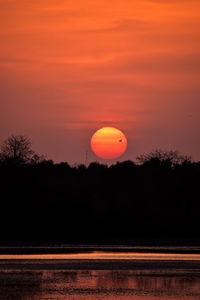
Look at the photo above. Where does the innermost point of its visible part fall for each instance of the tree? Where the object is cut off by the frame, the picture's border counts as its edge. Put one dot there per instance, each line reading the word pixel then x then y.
pixel 17 148
pixel 171 156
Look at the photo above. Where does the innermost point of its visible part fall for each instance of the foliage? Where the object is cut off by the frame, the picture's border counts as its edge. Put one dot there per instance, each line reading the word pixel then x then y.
pixel 17 149
pixel 44 201
pixel 172 156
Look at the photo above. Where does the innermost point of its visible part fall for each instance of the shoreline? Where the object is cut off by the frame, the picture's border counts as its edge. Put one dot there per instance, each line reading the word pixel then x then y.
pixel 95 264
pixel 73 249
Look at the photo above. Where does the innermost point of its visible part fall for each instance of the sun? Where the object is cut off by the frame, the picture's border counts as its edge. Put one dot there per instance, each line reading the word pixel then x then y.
pixel 108 143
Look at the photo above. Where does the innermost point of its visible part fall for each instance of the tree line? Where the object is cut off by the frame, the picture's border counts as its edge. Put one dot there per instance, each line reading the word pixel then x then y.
pixel 155 199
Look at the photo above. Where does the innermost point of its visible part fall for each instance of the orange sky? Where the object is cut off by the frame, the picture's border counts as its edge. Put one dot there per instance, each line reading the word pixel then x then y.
pixel 70 67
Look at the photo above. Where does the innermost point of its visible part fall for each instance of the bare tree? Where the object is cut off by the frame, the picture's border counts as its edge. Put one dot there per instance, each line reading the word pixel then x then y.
pixel 173 156
pixel 18 149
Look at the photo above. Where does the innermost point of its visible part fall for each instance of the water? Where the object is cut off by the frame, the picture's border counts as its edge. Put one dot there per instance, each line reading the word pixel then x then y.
pixel 103 255
pixel 35 279
pixel 96 285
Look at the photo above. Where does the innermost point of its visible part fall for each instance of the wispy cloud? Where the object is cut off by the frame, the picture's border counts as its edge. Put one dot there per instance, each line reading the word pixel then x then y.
pixel 118 26
pixel 15 60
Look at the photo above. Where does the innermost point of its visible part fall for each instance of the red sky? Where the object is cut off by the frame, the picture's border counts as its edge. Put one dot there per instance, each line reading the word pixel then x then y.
pixel 70 67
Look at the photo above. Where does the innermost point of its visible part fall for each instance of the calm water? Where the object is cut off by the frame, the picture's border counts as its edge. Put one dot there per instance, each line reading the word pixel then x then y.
pixel 146 284
pixel 102 255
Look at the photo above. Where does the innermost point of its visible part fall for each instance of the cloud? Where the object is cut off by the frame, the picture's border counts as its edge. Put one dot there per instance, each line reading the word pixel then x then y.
pixel 118 26
pixel 164 2
pixel 15 60
pixel 161 62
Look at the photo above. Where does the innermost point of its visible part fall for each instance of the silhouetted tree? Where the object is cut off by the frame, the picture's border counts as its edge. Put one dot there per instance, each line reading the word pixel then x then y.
pixel 173 157
pixel 155 200
pixel 17 149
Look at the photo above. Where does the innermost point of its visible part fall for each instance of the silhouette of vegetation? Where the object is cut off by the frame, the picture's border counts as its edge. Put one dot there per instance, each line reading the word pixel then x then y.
pixel 173 157
pixel 17 149
pixel 155 200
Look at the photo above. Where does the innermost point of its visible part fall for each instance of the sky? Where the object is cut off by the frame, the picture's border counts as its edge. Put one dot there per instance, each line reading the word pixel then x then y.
pixel 70 67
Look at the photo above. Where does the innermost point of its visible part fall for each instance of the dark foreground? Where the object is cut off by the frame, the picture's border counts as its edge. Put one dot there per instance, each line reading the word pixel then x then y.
pixel 156 201
pixel 88 264
pixel 106 280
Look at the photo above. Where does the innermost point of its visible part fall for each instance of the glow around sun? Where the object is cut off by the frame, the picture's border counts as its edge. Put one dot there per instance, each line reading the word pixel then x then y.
pixel 108 143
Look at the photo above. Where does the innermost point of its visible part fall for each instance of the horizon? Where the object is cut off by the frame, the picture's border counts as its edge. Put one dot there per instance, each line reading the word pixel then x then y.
pixel 71 68
pixel 18 148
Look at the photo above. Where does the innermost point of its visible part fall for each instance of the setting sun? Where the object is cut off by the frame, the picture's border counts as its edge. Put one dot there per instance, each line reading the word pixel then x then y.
pixel 108 143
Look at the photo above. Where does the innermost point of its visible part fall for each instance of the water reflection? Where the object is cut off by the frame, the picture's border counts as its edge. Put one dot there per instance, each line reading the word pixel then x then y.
pixel 103 255
pixel 96 285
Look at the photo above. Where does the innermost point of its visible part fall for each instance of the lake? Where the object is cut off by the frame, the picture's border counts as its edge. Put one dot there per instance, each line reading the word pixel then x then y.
pixel 100 275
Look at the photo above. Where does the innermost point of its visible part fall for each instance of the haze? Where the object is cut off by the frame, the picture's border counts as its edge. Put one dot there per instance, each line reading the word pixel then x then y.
pixel 68 68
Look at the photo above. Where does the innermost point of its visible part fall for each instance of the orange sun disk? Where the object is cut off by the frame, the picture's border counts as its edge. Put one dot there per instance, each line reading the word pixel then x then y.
pixel 108 143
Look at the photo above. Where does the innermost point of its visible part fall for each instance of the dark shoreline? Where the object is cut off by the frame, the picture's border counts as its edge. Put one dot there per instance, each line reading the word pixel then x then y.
pixel 88 249
pixel 108 264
